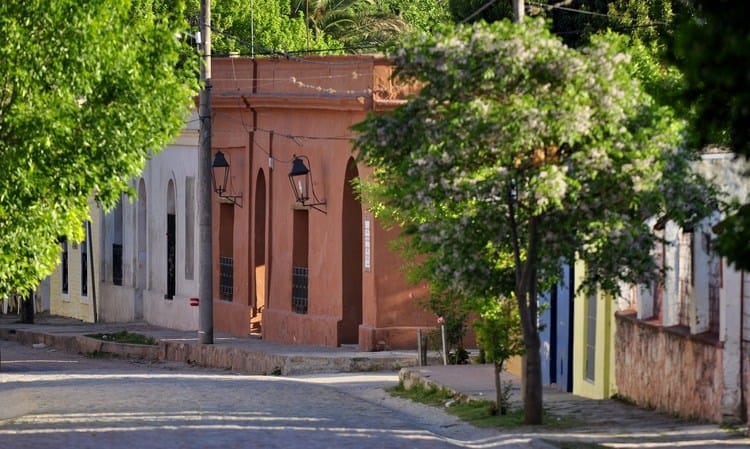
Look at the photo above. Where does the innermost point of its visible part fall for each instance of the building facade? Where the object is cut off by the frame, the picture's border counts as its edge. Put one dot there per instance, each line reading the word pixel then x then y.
pixel 139 261
pixel 150 247
pixel 72 288
pixel 683 345
pixel 314 273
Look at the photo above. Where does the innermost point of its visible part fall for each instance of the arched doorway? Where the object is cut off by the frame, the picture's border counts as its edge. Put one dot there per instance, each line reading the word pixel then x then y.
pixel 351 259
pixel 142 254
pixel 258 300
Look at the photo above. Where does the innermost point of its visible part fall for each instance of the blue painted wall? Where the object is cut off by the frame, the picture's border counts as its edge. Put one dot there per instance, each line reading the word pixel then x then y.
pixel 556 336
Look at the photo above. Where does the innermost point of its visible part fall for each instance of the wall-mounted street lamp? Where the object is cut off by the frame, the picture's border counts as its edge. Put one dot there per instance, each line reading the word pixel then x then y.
pixel 220 176
pixel 301 179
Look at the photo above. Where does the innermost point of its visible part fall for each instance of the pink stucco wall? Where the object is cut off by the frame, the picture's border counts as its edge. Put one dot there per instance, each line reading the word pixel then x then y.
pixel 265 112
pixel 662 369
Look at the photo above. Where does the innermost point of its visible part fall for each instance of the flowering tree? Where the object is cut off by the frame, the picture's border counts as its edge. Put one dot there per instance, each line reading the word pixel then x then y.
pixel 518 155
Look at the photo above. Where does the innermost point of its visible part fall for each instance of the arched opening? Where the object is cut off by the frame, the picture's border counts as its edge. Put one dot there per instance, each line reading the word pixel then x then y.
pixel 258 300
pixel 171 242
pixel 142 255
pixel 351 259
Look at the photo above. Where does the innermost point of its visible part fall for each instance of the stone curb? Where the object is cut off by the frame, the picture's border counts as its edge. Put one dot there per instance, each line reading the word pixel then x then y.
pixel 410 377
pixel 210 356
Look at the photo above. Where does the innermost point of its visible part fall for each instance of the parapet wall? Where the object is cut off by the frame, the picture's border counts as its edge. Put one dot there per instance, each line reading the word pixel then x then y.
pixel 659 368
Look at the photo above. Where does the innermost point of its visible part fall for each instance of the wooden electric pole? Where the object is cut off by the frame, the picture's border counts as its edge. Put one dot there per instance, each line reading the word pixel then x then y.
pixel 519 10
pixel 205 238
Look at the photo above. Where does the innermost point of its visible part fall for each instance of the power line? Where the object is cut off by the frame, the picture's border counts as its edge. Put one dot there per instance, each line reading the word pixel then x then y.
pixel 296 138
pixel 591 13
pixel 289 54
pixel 478 11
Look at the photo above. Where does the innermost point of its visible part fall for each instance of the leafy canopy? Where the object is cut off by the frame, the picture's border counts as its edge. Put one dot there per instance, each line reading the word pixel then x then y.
pixel 88 89
pixel 257 27
pixel 712 49
pixel 511 126
pixel 520 154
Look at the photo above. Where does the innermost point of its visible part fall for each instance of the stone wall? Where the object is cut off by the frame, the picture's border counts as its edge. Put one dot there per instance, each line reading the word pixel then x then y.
pixel 659 368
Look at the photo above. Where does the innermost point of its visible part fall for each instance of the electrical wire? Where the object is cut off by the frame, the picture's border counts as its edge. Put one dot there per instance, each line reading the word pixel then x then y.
pixel 478 11
pixel 296 138
pixel 591 13
pixel 288 55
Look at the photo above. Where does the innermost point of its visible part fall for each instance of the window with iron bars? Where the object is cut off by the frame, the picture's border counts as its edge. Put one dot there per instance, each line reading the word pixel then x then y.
pixel 64 263
pixel 226 278
pixel 116 264
pixel 299 289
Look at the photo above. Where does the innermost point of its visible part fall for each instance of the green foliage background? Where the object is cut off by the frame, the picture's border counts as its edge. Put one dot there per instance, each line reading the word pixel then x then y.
pixel 88 90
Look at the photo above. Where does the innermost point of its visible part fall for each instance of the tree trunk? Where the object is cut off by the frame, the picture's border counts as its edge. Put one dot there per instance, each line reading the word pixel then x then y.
pixel 499 388
pixel 27 309
pixel 532 403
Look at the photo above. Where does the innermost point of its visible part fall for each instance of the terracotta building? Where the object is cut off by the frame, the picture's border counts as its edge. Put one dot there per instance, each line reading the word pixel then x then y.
pixel 319 272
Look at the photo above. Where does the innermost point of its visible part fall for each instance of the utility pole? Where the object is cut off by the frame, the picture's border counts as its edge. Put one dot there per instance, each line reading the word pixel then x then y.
pixel 205 272
pixel 519 10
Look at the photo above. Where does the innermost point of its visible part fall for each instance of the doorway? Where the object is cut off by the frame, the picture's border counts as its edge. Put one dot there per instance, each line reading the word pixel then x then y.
pixel 351 259
pixel 258 299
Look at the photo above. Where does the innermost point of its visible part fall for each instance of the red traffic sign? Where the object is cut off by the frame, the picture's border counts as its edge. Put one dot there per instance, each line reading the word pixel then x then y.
pixel 194 301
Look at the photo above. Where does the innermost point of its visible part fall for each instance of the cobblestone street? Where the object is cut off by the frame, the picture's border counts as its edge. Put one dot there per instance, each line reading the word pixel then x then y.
pixel 56 400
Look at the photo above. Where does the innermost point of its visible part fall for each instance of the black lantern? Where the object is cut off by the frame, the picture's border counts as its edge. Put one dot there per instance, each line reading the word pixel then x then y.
pixel 302 185
pixel 220 176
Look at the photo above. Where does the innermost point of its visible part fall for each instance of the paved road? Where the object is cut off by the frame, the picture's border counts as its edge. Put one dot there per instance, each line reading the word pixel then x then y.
pixel 50 399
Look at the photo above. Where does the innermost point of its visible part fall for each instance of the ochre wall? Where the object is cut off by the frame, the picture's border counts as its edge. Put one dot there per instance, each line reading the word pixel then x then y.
pixel 266 112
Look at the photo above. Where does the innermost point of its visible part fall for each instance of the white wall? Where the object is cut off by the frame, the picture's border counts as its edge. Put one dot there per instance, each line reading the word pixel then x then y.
pixel 176 162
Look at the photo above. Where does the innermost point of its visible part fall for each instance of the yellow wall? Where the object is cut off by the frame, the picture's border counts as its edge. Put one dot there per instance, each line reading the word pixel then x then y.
pixel 73 304
pixel 603 385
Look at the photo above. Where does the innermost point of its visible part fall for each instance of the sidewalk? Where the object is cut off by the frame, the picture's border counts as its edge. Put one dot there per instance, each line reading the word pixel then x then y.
pixel 605 421
pixel 247 355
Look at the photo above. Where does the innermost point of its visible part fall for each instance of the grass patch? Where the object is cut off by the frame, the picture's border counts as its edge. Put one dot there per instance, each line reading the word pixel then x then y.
pixel 125 337
pixel 477 413
pixel 574 445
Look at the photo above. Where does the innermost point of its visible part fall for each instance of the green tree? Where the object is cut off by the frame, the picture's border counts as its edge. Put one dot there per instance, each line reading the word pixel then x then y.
pixel 499 336
pixel 476 10
pixel 88 90
pixel 712 49
pixel 650 22
pixel 453 310
pixel 518 155
pixel 360 25
pixel 575 21
pixel 421 15
pixel 257 27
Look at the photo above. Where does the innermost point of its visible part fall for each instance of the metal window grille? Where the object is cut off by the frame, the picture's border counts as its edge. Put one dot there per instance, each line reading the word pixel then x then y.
pixel 65 267
pixel 116 264
pixel 84 263
pixel 84 274
pixel 226 278
pixel 299 289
